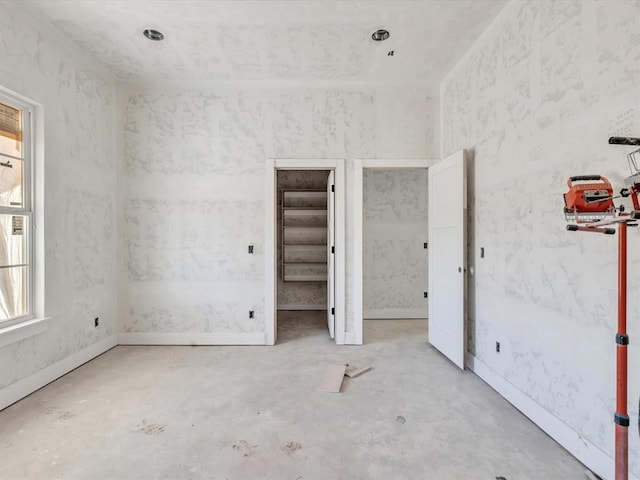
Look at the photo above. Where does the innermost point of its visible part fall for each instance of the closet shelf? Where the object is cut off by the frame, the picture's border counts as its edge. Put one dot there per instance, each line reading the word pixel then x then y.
pixel 304 236
pixel 304 253
pixel 306 278
pixel 319 209
pixel 305 227
pixel 304 198
pixel 310 235
pixel 295 264
pixel 305 272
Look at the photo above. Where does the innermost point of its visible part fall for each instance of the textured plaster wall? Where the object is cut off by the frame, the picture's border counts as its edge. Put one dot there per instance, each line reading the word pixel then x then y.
pixel 76 103
pixel 193 187
pixel 394 231
pixel 535 100
pixel 298 293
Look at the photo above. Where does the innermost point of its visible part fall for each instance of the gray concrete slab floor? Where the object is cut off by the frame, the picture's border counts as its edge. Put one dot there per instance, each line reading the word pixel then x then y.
pixel 244 413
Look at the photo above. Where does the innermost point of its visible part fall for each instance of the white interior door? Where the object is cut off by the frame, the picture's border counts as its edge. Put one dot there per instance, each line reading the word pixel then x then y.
pixel 331 263
pixel 447 256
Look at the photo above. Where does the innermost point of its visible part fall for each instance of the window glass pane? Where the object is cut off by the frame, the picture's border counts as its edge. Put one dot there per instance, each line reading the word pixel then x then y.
pixel 13 240
pixel 11 147
pixel 14 229
pixel 10 182
pixel 13 292
pixel 10 130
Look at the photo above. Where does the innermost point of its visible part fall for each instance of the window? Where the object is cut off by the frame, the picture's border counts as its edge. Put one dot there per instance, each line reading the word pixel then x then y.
pixel 16 216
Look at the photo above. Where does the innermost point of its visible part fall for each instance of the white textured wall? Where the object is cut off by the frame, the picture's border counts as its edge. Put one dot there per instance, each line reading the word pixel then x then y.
pixel 536 100
pixel 395 262
pixel 76 101
pixel 193 188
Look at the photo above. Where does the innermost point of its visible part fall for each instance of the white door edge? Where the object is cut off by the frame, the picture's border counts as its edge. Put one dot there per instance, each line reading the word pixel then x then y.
pixel 447 257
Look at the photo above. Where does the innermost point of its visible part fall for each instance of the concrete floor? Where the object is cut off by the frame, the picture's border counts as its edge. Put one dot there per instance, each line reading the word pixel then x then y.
pixel 244 413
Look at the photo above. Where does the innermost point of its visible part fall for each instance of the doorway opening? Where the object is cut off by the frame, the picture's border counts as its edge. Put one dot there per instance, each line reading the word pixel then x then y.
pixel 447 210
pixel 395 239
pixel 391 241
pixel 305 248
pixel 302 243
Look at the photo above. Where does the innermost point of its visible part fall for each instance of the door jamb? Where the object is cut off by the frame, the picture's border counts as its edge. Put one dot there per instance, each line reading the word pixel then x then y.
pixel 271 305
pixel 358 205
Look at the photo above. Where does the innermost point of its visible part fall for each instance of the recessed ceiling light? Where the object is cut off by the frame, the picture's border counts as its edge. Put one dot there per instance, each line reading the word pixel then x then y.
pixel 380 35
pixel 154 35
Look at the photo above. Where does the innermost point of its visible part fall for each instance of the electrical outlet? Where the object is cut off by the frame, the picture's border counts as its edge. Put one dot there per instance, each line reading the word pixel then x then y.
pixel 96 321
pixel 251 312
pixel 497 347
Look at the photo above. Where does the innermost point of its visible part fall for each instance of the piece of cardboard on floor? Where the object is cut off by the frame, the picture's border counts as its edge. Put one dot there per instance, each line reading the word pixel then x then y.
pixel 354 370
pixel 332 381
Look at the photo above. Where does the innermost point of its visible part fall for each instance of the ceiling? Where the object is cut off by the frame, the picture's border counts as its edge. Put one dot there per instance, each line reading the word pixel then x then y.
pixel 273 40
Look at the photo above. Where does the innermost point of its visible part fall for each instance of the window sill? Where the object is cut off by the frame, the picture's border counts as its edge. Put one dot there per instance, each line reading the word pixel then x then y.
pixel 20 331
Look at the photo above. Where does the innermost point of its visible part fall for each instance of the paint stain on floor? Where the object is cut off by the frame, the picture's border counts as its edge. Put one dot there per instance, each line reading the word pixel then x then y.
pixel 150 428
pixel 244 447
pixel 291 447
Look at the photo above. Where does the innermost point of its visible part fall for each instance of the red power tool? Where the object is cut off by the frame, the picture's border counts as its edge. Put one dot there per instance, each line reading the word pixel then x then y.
pixel 590 197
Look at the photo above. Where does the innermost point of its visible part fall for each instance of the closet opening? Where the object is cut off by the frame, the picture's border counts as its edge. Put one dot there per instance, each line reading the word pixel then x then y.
pixel 305 249
pixel 303 242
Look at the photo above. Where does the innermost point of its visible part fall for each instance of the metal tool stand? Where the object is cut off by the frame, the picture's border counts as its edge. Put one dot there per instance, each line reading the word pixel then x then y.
pixel 606 225
pixel 621 416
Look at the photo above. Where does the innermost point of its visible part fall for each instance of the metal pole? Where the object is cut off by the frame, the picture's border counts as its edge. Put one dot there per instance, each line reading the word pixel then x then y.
pixel 621 416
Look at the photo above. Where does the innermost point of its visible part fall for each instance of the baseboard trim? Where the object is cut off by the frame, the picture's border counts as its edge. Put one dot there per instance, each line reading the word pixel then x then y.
pixel 22 388
pixel 590 455
pixel 299 306
pixel 395 313
pixel 208 338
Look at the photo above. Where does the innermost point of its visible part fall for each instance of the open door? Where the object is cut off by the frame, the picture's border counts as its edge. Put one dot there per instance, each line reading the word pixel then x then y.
pixel 447 256
pixel 331 264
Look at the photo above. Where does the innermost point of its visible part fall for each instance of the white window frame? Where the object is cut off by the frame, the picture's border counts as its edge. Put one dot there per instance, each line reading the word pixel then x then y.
pixel 17 328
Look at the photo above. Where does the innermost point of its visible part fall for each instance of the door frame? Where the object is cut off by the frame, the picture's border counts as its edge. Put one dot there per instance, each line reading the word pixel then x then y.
pixel 358 226
pixel 271 258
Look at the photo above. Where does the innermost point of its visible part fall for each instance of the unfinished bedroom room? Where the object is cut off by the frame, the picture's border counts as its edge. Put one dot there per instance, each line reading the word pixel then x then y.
pixel 310 240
